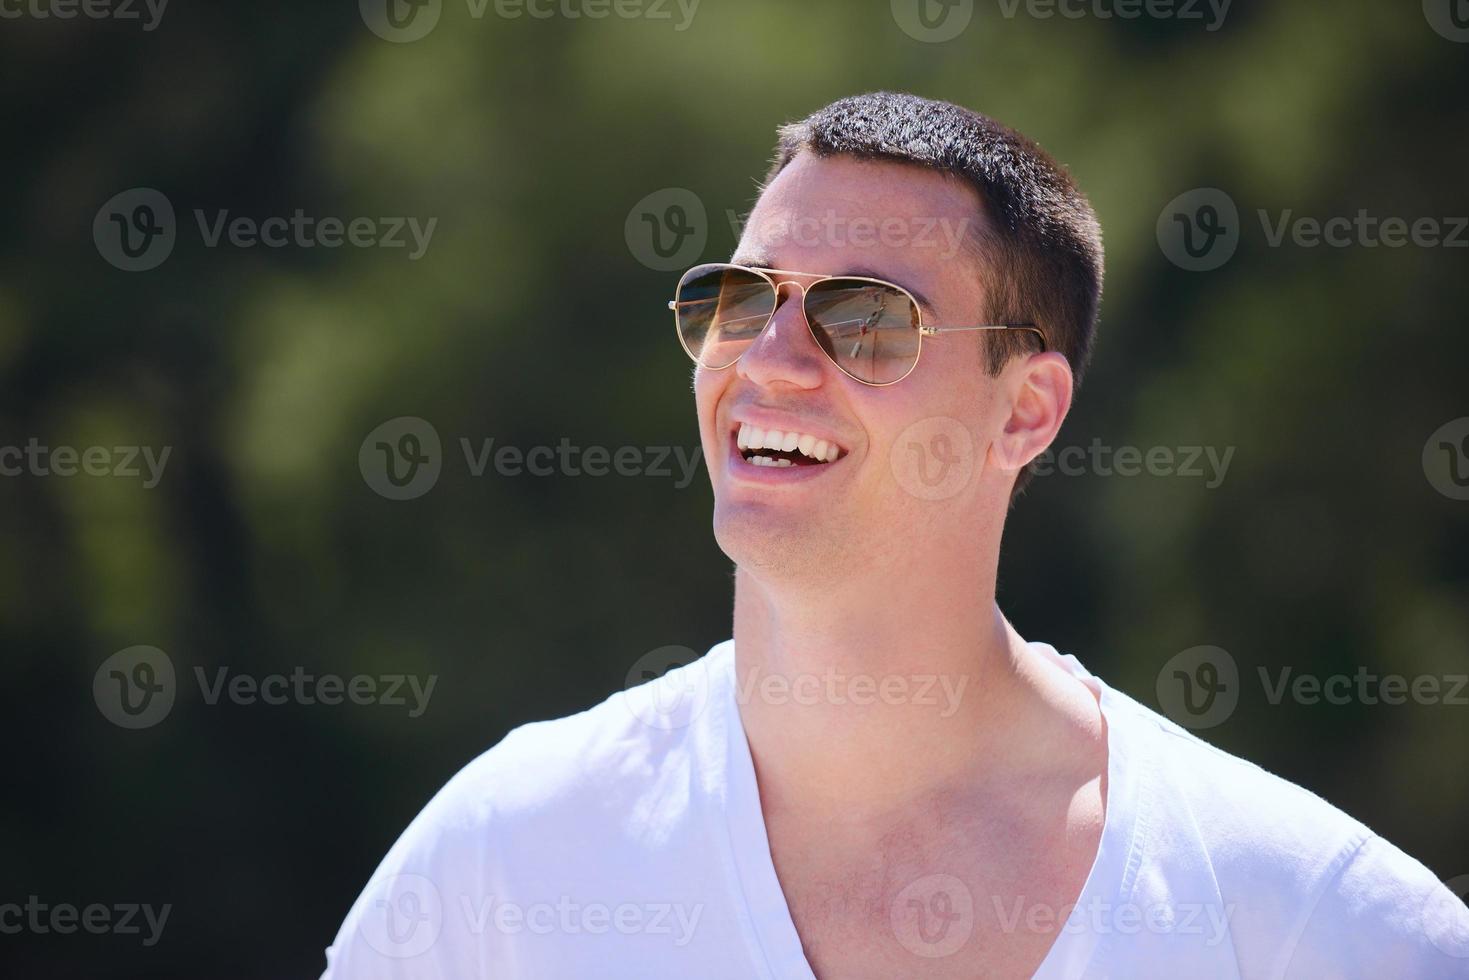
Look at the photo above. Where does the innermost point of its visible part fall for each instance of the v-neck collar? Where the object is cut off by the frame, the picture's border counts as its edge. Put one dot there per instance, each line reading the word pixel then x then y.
pixel 768 918
pixel 771 929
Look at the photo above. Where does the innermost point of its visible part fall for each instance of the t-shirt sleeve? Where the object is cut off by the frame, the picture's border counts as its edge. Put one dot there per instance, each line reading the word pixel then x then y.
pixel 428 910
pixel 412 919
pixel 1384 915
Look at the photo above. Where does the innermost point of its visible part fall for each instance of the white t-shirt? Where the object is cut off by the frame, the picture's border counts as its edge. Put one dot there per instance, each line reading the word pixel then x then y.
pixel 628 841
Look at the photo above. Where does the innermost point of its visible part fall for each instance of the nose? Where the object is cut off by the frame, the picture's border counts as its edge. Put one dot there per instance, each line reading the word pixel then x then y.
pixel 785 350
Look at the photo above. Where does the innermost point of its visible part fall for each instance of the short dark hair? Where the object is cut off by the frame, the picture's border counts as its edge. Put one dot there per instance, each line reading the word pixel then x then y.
pixel 1040 252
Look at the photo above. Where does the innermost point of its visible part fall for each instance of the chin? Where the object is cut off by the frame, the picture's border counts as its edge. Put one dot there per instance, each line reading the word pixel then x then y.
pixel 773 544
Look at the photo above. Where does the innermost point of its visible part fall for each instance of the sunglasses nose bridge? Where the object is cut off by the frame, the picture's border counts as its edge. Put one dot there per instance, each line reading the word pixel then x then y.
pixel 794 285
pixel 783 350
pixel 775 309
pixel 798 308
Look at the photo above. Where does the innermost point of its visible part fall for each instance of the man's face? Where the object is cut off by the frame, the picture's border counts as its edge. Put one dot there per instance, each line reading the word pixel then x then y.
pixel 912 454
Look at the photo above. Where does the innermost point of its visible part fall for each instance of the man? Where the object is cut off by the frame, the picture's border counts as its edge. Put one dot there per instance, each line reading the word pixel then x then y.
pixel 877 777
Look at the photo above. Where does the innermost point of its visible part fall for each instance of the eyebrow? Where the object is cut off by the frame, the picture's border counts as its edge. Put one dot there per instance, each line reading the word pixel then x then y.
pixel 763 262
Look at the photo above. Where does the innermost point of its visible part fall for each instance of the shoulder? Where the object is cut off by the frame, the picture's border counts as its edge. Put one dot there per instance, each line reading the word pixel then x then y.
pixel 1385 915
pixel 1248 818
pixel 1307 889
pixel 554 805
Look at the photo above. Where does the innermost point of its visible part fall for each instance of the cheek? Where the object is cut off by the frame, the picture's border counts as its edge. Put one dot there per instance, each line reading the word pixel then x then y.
pixel 884 414
pixel 709 387
pixel 924 440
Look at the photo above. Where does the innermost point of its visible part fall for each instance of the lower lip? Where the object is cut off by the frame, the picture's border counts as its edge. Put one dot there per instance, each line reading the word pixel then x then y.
pixel 748 472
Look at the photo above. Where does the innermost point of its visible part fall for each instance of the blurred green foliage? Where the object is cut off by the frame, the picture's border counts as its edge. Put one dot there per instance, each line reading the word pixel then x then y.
pixel 530 319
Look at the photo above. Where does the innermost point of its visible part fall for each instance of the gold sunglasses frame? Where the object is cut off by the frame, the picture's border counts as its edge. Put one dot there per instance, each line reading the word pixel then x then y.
pixel 816 279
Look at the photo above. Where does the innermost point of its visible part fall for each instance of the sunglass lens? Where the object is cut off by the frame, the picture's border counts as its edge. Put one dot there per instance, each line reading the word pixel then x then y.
pixel 720 310
pixel 869 329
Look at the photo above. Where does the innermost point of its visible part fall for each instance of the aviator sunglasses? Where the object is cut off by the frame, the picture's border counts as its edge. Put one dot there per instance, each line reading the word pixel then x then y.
pixel 870 329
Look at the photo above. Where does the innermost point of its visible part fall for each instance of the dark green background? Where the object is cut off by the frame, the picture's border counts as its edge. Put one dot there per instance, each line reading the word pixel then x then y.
pixel 530 319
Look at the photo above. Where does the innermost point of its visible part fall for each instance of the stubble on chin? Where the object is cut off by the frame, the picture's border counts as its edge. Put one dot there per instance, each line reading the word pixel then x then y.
pixel 787 548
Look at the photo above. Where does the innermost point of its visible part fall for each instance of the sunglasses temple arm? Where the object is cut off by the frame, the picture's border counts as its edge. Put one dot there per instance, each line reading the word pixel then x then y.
pixel 930 331
pixel 981 326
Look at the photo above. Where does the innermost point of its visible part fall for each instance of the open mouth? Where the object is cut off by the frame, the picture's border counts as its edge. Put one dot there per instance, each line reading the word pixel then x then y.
pixel 772 447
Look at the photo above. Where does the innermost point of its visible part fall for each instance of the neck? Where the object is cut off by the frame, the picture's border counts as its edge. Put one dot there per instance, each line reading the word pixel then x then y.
pixel 896 686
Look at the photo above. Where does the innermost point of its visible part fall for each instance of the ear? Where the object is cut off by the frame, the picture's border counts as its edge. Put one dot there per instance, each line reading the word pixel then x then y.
pixel 1032 399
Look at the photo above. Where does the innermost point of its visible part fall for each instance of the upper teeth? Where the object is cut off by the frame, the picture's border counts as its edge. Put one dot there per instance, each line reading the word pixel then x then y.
pixel 753 437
